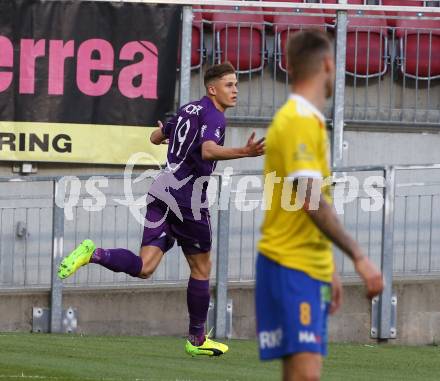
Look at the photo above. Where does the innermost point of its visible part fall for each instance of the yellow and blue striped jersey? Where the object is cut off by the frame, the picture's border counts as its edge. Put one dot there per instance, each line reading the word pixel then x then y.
pixel 296 147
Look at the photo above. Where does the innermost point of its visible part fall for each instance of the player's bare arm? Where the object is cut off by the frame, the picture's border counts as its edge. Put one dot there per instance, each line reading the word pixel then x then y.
pixel 158 137
pixel 327 221
pixel 336 293
pixel 213 151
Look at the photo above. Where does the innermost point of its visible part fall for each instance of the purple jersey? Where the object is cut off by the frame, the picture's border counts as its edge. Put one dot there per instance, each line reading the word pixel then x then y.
pixel 194 124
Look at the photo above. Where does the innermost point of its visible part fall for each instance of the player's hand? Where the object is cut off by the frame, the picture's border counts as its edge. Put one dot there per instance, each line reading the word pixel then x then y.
pixel 370 275
pixel 336 293
pixel 160 125
pixel 254 148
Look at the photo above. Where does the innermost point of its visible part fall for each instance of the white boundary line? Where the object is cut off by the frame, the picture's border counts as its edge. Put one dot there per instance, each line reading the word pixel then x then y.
pixel 36 377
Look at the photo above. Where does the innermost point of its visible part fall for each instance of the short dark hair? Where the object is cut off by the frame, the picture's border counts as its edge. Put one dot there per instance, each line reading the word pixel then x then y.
pixel 305 51
pixel 217 71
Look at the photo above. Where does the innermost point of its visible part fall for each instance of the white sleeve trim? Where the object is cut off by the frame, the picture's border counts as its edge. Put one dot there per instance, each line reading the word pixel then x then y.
pixel 304 173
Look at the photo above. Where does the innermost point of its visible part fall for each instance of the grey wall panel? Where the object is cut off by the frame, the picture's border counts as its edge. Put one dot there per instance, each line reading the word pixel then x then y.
pixel 25 260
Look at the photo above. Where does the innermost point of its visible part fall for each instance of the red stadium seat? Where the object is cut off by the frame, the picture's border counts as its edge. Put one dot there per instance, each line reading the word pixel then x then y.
pixel 197 48
pixel 330 17
pixel 366 45
pixel 400 3
pixel 207 15
pixel 403 3
pixel 286 24
pixel 270 18
pixel 239 38
pixel 197 44
pixel 419 47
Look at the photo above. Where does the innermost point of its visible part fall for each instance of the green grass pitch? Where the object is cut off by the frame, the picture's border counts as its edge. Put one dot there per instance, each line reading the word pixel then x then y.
pixel 86 358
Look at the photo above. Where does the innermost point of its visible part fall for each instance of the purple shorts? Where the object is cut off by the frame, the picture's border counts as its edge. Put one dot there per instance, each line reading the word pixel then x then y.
pixel 162 227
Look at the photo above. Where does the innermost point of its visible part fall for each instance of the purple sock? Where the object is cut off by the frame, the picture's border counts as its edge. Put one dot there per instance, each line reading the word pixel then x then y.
pixel 118 260
pixel 197 297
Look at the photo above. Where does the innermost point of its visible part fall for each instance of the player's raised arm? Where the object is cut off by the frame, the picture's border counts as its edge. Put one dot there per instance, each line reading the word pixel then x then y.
pixel 325 218
pixel 212 151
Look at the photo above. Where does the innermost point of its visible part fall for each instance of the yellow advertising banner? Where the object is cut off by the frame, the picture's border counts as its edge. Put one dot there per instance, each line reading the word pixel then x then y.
pixel 78 143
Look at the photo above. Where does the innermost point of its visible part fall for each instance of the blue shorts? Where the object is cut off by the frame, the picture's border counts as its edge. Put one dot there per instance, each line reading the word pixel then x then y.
pixel 292 310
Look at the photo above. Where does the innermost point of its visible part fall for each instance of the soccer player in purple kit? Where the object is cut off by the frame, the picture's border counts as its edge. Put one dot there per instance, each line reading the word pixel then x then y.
pixel 176 201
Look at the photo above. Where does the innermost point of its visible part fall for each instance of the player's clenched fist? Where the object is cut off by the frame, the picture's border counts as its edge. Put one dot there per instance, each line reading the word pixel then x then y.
pixel 370 275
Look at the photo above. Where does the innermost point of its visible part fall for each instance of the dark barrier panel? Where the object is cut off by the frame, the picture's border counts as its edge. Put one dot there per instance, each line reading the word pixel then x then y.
pixel 79 78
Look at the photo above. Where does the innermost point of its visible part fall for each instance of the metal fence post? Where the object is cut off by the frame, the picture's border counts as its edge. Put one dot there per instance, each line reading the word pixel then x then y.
pixel 56 290
pixel 385 330
pixel 221 288
pixel 339 95
pixel 185 56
